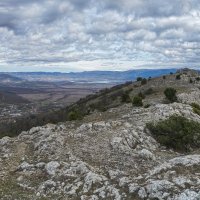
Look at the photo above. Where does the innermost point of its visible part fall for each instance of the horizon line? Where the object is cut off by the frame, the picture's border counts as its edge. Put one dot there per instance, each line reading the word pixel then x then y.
pixel 93 70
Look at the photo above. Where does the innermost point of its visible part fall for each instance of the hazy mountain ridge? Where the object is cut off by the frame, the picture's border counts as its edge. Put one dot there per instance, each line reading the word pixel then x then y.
pixel 92 76
pixel 7 78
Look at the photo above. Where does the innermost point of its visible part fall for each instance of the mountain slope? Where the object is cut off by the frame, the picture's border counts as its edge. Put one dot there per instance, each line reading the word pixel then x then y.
pixel 105 155
pixel 105 99
pixel 108 156
pixel 11 98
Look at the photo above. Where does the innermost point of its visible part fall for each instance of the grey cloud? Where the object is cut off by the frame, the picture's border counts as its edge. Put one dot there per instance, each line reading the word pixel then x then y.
pixel 46 32
pixel 152 8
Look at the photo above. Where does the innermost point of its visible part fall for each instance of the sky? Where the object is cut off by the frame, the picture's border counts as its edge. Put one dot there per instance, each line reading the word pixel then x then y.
pixel 82 35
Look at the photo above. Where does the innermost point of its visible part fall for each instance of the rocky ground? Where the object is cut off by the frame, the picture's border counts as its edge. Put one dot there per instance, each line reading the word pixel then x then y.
pixel 109 155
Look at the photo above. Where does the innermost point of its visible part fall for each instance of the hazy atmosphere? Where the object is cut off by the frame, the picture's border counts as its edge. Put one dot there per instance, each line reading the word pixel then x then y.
pixel 79 35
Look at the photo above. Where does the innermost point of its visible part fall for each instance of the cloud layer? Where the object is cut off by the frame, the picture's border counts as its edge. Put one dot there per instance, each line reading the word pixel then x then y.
pixel 75 35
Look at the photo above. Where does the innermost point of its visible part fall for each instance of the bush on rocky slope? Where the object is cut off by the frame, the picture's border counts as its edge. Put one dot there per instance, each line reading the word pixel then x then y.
pixel 137 101
pixel 196 108
pixel 125 98
pixel 177 132
pixel 178 77
pixel 170 94
pixel 144 81
pixel 74 115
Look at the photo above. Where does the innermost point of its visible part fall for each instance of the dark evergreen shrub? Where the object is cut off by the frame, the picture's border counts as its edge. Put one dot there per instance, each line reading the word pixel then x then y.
pixel 139 78
pixel 177 132
pixel 170 94
pixel 196 108
pixel 144 81
pixel 178 77
pixel 137 101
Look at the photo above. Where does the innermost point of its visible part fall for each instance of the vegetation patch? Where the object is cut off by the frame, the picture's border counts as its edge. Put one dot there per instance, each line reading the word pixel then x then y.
pixel 177 132
pixel 196 108
pixel 178 77
pixel 139 78
pixel 140 94
pixel 137 101
pixel 74 115
pixel 170 94
pixel 125 98
pixel 147 105
pixel 144 81
pixel 198 79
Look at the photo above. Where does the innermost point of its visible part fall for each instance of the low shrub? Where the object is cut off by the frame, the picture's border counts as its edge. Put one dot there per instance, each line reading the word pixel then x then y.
pixel 170 94
pixel 125 98
pixel 191 81
pixel 198 79
pixel 196 108
pixel 139 78
pixel 140 94
pixel 178 77
pixel 177 132
pixel 137 101
pixel 144 81
pixel 74 115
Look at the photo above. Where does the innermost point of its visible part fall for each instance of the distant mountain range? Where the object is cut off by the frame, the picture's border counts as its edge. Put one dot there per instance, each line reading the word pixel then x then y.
pixel 7 78
pixel 89 76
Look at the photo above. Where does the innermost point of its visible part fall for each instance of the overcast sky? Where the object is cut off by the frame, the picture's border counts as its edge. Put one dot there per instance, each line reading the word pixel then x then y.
pixel 77 35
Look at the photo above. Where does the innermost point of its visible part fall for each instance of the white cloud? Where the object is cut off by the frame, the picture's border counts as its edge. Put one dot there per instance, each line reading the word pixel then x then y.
pixel 73 35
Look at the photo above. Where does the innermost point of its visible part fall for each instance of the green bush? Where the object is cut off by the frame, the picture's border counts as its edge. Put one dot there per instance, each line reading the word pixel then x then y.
pixel 191 81
pixel 125 98
pixel 198 79
pixel 177 132
pixel 196 108
pixel 178 77
pixel 140 94
pixel 139 78
pixel 137 101
pixel 74 115
pixel 164 77
pixel 144 81
pixel 170 94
